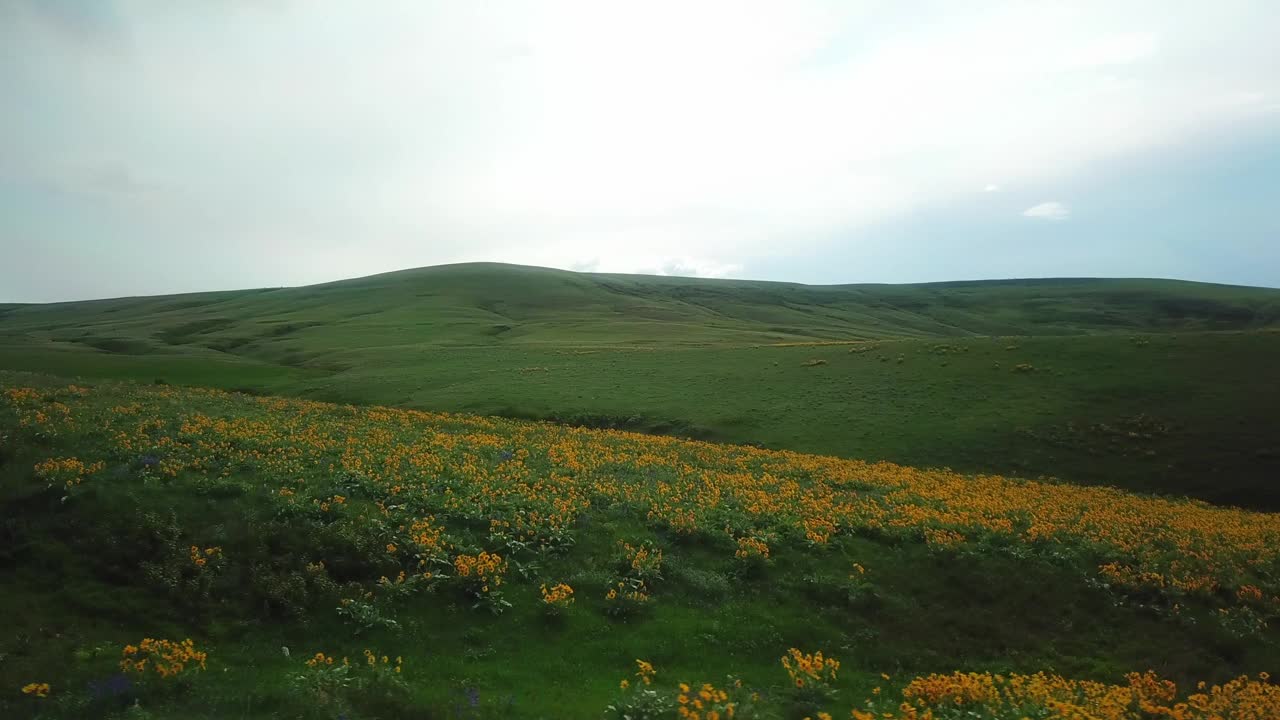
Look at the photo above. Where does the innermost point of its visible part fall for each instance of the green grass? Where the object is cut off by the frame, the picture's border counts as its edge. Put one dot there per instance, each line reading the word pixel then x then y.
pixel 991 607
pixel 1158 386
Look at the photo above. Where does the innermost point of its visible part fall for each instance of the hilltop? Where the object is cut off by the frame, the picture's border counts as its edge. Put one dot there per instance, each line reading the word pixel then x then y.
pixel 1155 385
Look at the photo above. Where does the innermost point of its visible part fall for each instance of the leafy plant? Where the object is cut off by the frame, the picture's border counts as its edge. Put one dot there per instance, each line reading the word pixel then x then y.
pixel 639 700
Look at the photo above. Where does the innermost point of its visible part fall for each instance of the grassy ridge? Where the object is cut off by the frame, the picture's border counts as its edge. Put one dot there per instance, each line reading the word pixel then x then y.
pixel 126 487
pixel 1177 402
pixel 492 304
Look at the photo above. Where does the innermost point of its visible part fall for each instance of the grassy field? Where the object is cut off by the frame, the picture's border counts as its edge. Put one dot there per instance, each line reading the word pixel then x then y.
pixel 1156 386
pixel 268 530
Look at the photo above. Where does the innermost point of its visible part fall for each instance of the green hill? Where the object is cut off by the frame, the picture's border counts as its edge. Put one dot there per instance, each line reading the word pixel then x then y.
pixel 1148 384
pixel 491 304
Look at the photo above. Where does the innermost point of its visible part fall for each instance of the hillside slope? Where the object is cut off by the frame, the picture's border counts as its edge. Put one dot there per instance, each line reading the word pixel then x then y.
pixel 1146 384
pixel 519 570
pixel 489 303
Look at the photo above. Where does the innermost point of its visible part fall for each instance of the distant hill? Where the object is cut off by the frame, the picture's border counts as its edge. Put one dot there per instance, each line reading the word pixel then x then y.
pixel 483 303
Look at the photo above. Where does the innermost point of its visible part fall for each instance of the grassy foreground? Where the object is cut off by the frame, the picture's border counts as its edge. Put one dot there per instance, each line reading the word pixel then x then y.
pixel 517 569
pixel 1156 386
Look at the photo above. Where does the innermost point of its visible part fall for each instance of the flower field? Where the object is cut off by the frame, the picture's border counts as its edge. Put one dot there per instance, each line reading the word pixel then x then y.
pixel 476 512
pixel 530 481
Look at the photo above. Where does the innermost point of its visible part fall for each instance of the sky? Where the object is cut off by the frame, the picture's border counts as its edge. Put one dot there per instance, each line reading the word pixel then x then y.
pixel 156 147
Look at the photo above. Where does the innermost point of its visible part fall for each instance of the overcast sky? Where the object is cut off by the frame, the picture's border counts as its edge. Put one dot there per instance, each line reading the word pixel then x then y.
pixel 154 146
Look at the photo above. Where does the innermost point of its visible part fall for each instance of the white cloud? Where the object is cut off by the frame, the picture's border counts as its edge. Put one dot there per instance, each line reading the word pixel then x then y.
pixel 990 188
pixel 1052 210
pixel 694 267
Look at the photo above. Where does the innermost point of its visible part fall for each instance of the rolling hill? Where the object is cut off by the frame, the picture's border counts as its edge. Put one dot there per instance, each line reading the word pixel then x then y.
pixel 491 303
pixel 1147 384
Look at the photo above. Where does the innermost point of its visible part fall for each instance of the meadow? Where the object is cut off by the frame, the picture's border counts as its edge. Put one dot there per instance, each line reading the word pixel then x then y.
pixel 231 555
pixel 1155 386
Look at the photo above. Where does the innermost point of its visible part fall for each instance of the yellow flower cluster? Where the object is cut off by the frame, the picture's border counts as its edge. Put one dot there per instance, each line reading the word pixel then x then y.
pixel 559 595
pixel 1130 576
pixel 385 581
pixel 325 504
pixel 810 670
pixel 487 568
pixel 706 703
pixel 645 561
pixel 43 414
pixel 1142 696
pixel 40 690
pixel 943 538
pixel 166 658
pixel 818 530
pixel 1249 594
pixel 321 660
pixel 749 548
pixel 20 396
pixel 428 537
pixel 371 660
pixel 201 558
pixel 68 471
pixel 645 671
pixel 635 592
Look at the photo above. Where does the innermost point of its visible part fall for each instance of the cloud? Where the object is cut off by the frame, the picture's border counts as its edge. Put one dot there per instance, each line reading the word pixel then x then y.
pixel 692 267
pixel 990 188
pixel 1052 210
pixel 587 266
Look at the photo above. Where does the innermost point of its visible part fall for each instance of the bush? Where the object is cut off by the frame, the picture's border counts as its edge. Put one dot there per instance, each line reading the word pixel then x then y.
pixel 640 700
pixel 337 688
pixel 752 555
pixel 628 597
pixel 557 599
pixel 642 561
pixel 813 676
pixel 482 576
